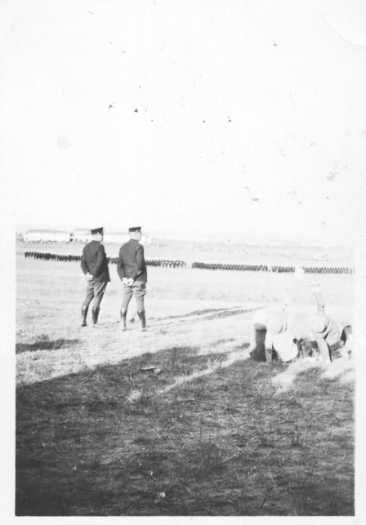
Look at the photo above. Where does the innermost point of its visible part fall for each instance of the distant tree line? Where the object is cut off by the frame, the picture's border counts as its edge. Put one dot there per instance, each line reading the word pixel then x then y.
pixel 174 263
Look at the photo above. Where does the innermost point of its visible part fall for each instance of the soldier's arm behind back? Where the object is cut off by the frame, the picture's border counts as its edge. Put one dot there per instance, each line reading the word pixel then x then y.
pixel 140 261
pixel 120 266
pixel 101 257
pixel 83 264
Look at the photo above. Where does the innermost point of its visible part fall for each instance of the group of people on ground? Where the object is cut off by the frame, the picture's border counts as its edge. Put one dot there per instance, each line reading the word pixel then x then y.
pixel 277 332
pixel 131 268
pixel 287 334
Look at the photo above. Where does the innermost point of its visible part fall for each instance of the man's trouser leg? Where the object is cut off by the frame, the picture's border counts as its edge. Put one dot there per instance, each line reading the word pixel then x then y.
pixel 126 298
pixel 88 299
pixel 99 289
pixel 259 343
pixel 139 290
pixel 323 350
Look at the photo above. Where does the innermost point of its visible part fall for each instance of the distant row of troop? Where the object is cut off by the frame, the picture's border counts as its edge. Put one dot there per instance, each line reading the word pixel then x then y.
pixel 131 268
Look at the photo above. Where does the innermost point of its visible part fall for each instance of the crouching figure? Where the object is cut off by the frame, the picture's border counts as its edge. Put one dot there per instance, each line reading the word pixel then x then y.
pixel 284 334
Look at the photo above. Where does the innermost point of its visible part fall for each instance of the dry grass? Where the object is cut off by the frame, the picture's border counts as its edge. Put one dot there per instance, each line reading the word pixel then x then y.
pixel 43 342
pixel 176 421
pixel 194 308
pixel 222 444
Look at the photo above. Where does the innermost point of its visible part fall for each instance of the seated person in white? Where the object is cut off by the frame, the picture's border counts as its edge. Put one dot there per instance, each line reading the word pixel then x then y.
pixel 286 334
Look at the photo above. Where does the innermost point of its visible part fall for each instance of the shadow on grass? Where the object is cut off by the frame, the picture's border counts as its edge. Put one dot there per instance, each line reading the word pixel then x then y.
pixel 44 343
pixel 222 444
pixel 195 313
pixel 208 314
pixel 223 314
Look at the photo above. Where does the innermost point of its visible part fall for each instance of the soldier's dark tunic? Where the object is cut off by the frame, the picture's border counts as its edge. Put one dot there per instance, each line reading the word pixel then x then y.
pixel 94 261
pixel 131 261
pixel 131 265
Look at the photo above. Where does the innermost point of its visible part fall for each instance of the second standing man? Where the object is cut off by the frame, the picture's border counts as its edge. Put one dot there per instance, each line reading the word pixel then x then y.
pixel 131 268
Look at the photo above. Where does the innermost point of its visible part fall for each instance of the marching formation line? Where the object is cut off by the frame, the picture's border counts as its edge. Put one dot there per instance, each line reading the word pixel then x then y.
pixel 176 263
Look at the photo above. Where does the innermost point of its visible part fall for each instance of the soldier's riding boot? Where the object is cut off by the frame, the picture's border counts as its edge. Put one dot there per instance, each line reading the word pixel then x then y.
pixel 142 318
pixel 95 314
pixel 124 320
pixel 84 313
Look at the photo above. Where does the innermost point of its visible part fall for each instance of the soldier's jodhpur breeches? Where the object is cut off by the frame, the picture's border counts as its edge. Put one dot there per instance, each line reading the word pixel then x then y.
pixel 94 292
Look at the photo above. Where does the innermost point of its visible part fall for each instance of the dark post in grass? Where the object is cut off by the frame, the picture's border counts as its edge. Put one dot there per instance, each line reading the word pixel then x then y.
pixel 259 352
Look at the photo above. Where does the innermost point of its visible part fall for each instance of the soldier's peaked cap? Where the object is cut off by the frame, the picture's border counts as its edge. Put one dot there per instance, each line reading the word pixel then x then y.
pixel 134 229
pixel 96 230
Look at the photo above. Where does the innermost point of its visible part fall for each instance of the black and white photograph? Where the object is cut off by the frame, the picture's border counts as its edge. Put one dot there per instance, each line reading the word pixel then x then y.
pixel 189 181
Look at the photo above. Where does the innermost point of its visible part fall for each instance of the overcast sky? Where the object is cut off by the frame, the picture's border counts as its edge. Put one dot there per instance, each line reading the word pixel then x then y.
pixel 186 116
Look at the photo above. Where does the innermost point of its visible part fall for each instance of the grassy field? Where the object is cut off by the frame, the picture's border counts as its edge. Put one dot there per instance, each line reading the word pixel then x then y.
pixel 178 420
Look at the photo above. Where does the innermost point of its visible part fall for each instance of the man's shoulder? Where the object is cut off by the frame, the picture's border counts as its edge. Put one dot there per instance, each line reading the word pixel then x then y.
pixel 132 243
pixel 125 248
pixel 93 246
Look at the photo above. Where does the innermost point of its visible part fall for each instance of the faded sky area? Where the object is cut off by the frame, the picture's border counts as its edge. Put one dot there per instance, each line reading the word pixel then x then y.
pixel 206 118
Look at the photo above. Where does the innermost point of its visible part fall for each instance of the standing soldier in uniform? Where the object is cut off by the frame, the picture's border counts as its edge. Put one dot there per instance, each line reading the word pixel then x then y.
pixel 94 265
pixel 131 268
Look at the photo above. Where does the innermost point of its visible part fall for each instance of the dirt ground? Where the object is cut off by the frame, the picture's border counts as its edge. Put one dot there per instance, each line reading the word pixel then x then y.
pixel 178 420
